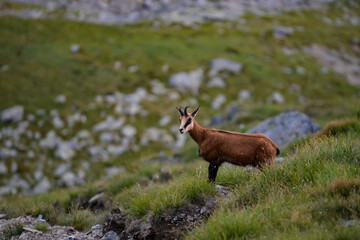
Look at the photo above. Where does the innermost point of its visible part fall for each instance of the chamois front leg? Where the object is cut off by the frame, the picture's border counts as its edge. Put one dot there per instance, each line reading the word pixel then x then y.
pixel 213 168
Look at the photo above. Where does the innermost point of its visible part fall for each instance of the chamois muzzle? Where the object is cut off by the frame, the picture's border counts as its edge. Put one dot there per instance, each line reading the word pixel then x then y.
pixel 181 130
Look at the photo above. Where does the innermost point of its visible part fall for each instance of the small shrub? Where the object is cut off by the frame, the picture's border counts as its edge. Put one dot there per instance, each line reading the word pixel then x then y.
pixel 335 128
pixel 12 230
pixel 43 227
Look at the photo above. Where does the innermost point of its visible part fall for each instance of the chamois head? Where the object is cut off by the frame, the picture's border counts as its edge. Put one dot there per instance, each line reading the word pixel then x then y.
pixel 186 120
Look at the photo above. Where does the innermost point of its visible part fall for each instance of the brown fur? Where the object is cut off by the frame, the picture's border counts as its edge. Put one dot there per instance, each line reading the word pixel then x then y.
pixel 218 146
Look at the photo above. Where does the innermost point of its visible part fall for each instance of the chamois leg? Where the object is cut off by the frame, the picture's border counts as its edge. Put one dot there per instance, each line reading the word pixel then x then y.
pixel 213 168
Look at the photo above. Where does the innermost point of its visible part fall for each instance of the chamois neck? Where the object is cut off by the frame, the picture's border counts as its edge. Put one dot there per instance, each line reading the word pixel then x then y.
pixel 197 133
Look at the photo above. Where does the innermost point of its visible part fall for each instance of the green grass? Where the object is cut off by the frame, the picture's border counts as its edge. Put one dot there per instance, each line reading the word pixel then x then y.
pixel 42 227
pixel 313 194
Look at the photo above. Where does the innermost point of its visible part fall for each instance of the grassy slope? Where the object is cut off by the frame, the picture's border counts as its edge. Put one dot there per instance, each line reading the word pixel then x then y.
pixel 41 67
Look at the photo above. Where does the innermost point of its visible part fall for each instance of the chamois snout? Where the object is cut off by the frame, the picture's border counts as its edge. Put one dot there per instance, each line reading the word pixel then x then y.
pixel 181 130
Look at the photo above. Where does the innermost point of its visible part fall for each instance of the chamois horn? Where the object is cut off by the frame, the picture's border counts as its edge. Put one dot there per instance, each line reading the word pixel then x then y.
pixel 180 111
pixel 185 110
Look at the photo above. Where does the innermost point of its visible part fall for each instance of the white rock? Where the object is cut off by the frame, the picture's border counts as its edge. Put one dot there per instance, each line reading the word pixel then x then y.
pixel 58 122
pixel 133 68
pixel 83 134
pixel 74 48
pixel 3 168
pixel 280 32
pixel 7 153
pixel 117 65
pixel 50 141
pixel 61 169
pixel 244 95
pixel 218 101
pixel 106 137
pixel 43 186
pixel 98 152
pixel 110 124
pixel 165 120
pixel 60 99
pixel 64 151
pixel 111 171
pixel 216 82
pixel 180 141
pixel 4 68
pixel 14 167
pixel 13 114
pixel 69 179
pixel 187 82
pixel 116 150
pixel 155 135
pixel 165 68
pixel 222 64
pixel 277 98
pixel 129 131
pixel 158 88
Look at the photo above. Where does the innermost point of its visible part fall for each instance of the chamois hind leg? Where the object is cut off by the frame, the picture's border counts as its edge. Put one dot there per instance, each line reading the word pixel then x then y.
pixel 213 168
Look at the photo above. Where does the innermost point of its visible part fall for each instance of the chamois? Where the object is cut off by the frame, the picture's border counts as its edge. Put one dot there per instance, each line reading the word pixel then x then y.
pixel 219 146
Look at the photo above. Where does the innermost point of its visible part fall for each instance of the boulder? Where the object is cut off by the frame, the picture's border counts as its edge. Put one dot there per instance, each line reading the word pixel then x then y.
pixel 222 64
pixel 286 127
pixel 187 82
pixel 13 114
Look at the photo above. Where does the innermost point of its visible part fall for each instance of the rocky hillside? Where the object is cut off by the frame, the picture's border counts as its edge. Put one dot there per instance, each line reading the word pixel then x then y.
pixel 89 142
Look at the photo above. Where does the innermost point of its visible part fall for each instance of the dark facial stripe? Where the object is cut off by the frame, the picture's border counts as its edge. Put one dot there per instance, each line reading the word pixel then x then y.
pixel 187 123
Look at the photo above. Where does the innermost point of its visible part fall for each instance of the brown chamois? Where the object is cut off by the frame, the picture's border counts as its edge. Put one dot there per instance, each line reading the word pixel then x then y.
pixel 218 146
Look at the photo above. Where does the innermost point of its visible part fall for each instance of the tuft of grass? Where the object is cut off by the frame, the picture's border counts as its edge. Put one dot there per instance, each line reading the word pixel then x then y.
pixel 335 128
pixel 43 227
pixel 11 231
pixel 160 198
pixel 314 194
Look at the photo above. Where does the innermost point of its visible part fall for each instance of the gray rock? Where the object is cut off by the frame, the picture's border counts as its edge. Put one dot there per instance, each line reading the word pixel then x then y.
pixel 61 169
pixel 110 124
pixel 280 32
pixel 277 98
pixel 74 48
pixel 7 153
pixel 57 122
pixel 129 131
pixel 286 127
pixel 111 235
pixel 217 120
pixel 106 137
pixel 187 82
pixel 98 152
pixel 3 168
pixel 42 187
pixel 165 68
pixel 70 179
pixel 221 64
pixel 218 101
pixel 13 114
pixel 165 120
pixel 216 82
pixel 50 141
pixel 4 68
pixel 158 88
pixel 155 135
pixel 65 151
pixel 133 69
pixel 117 150
pixel 113 170
pixel 244 95
pixel 60 99
pixel 117 65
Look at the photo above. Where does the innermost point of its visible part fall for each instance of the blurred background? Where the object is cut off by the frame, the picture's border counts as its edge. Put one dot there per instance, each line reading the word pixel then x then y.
pixel 88 89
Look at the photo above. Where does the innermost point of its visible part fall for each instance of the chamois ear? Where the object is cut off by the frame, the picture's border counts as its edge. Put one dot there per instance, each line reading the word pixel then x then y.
pixel 193 114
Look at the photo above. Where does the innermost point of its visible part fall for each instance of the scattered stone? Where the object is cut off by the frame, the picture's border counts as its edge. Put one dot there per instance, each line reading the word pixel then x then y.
pixel 133 68
pixel 155 135
pixel 287 70
pixel 74 48
pixel 185 82
pixel 165 120
pixel 13 114
pixel 165 68
pixel 216 82
pixel 111 171
pixel 277 98
pixel 2 216
pixel 110 124
pixel 58 122
pixel 221 64
pixel 129 131
pixel 244 95
pixel 158 88
pixel 286 127
pixel 217 120
pixel 42 187
pixel 218 101
pixel 117 65
pixel 69 179
pixel 289 51
pixel 3 167
pixel 7 153
pixel 300 70
pixel 60 99
pixel 203 210
pixel 106 137
pixel 281 32
pixel 111 235
pixel 4 68
pixel 65 151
